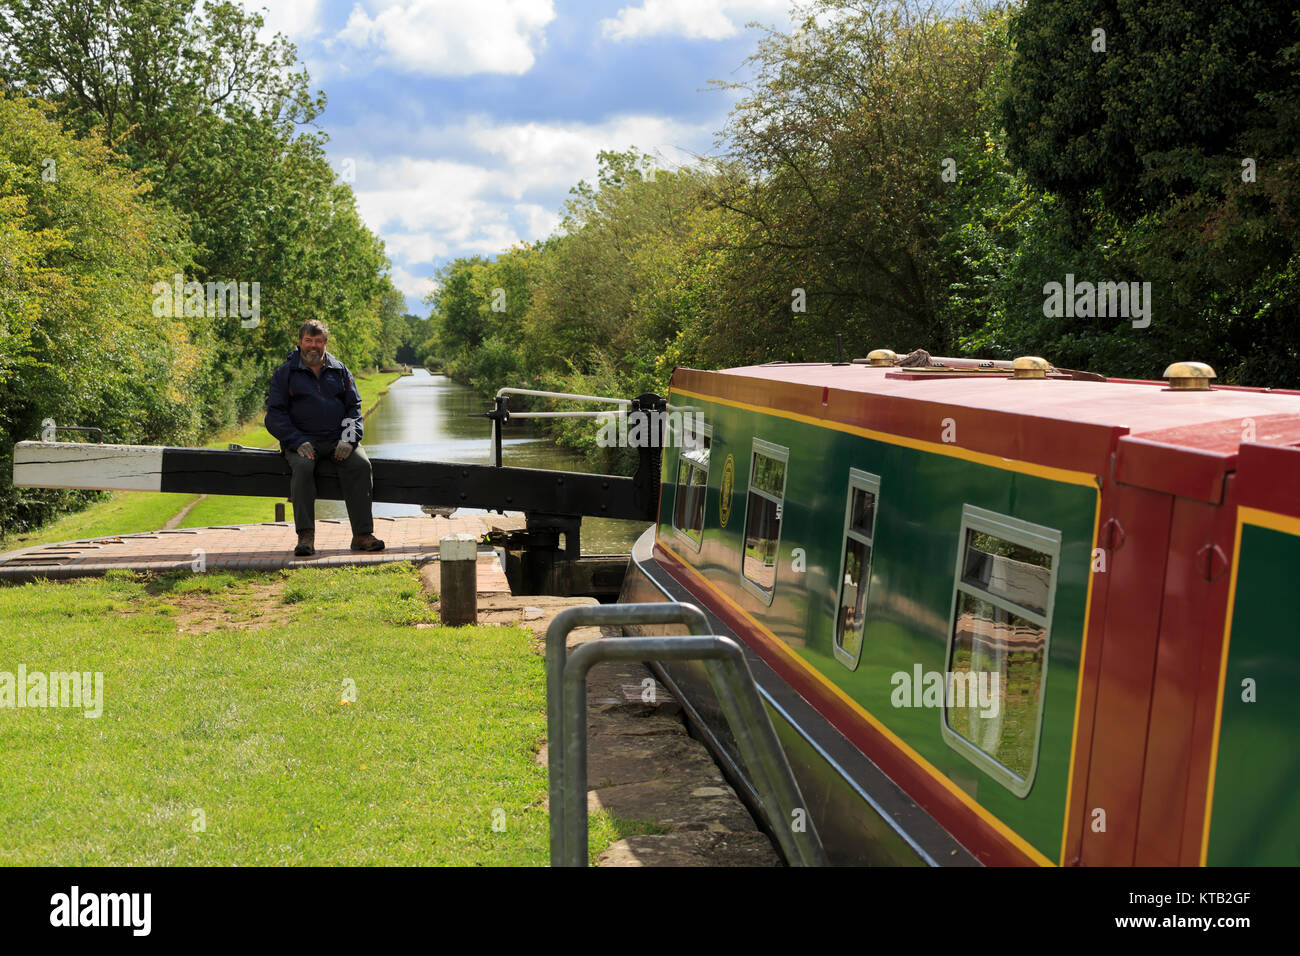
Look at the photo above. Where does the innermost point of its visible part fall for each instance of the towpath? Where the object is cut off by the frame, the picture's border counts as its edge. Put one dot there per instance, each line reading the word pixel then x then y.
pixel 256 547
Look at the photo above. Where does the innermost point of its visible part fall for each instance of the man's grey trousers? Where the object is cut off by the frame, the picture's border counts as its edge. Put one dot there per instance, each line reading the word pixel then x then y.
pixel 354 477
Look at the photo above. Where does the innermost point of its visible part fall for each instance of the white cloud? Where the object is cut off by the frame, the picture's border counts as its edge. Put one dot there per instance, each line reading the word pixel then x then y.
pixel 414 246
pixel 541 155
pixel 450 37
pixel 692 19
pixel 541 222
pixel 471 205
pixel 414 193
pixel 297 19
pixel 412 286
pixel 427 210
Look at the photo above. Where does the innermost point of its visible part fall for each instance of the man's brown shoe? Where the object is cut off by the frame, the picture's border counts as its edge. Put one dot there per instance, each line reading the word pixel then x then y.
pixel 366 542
pixel 306 544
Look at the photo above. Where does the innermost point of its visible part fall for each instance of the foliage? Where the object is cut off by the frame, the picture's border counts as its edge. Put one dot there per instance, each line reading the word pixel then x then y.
pixel 1172 157
pixel 839 152
pixel 78 341
pixel 1138 111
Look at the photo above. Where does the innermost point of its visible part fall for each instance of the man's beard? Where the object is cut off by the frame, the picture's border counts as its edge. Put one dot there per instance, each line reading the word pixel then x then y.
pixel 312 356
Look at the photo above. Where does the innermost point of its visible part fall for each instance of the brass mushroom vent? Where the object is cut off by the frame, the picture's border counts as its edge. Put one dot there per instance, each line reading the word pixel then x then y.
pixel 1189 377
pixel 880 358
pixel 1030 366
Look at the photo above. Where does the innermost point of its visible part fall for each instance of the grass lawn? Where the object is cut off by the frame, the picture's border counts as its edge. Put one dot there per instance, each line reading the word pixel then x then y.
pixel 233 509
pixel 129 511
pixel 225 737
pixel 124 512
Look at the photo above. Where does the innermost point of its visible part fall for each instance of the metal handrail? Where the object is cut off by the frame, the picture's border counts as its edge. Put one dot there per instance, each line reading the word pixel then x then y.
pixel 501 413
pixel 49 431
pixel 609 615
pixel 608 414
pixel 501 392
pixel 733 683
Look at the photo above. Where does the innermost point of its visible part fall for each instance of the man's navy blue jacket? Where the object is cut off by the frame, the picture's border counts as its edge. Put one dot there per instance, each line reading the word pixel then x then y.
pixel 301 407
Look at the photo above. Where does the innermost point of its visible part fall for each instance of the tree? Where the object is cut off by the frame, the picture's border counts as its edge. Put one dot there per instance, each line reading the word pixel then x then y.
pixel 153 75
pixel 415 333
pixel 1178 147
pixel 838 155
pixel 457 324
pixel 596 284
pixel 1137 109
pixel 79 339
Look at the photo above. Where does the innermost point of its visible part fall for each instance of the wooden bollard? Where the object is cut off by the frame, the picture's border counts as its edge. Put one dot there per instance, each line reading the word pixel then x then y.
pixel 279 511
pixel 458 580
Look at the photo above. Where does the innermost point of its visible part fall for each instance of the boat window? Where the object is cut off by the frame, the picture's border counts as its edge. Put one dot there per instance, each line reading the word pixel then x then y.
pixel 1005 584
pixel 767 469
pixel 692 483
pixel 855 566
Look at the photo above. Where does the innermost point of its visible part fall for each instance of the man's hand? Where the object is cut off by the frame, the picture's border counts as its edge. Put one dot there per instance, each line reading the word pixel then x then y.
pixel 306 450
pixel 342 450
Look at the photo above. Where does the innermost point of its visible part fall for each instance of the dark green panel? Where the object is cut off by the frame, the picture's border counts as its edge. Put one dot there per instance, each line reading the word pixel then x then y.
pixel 1256 812
pixel 909 603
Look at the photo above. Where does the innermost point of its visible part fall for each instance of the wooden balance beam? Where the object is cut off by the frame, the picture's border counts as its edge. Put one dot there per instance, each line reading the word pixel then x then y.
pixel 265 473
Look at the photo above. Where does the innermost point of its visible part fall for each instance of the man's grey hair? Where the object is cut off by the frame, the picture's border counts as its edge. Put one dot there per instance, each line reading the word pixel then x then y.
pixel 313 327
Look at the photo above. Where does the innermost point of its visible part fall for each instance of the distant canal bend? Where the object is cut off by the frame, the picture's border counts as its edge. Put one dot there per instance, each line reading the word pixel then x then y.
pixel 426 417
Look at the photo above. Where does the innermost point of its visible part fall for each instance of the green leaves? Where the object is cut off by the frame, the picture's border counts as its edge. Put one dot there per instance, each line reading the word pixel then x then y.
pixel 1176 81
pixel 82 242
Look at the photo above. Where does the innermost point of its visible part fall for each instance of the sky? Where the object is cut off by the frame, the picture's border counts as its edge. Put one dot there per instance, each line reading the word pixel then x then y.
pixel 462 124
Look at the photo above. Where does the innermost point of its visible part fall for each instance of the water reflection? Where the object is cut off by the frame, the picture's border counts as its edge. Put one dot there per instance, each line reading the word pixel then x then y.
pixel 428 418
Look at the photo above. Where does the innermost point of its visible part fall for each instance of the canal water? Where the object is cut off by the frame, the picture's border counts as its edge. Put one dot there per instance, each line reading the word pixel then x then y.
pixel 426 417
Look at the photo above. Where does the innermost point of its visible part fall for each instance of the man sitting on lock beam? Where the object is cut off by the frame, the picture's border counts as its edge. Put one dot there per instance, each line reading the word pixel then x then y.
pixel 314 408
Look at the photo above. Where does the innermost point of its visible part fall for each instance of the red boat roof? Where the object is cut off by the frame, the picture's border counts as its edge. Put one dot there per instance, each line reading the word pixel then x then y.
pixel 1133 405
pixel 1183 442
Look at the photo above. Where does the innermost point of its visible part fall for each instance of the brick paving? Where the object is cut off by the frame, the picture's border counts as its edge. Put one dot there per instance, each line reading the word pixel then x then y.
pixel 266 547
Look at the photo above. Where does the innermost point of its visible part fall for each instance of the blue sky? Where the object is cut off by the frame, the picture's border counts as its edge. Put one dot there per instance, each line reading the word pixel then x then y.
pixel 461 124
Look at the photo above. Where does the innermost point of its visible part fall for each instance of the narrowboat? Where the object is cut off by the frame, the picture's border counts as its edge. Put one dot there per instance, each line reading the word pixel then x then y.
pixel 999 613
